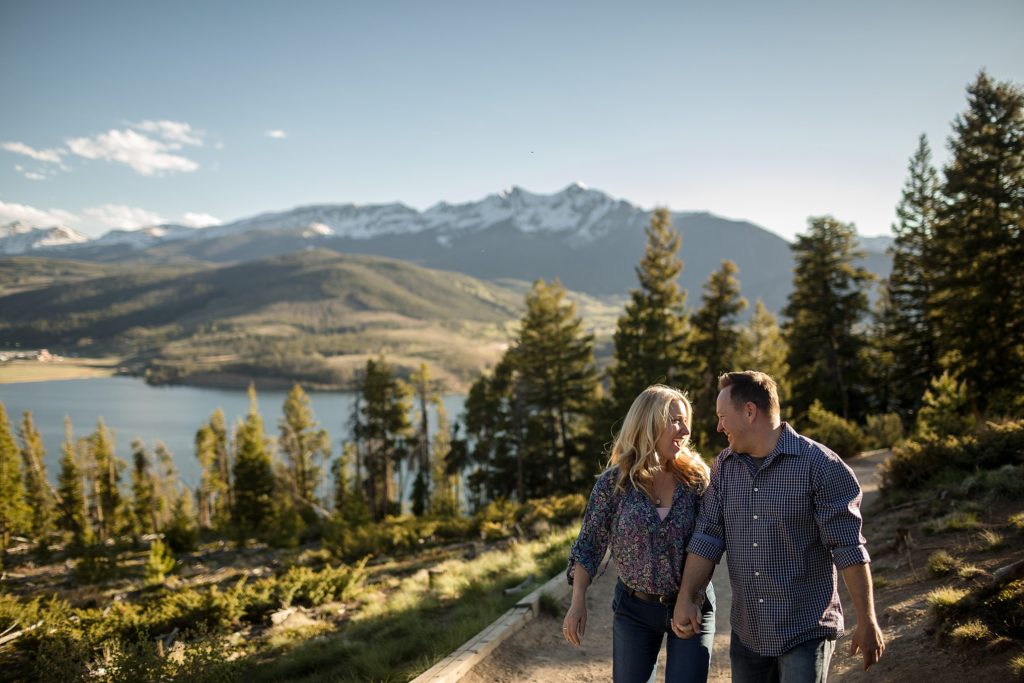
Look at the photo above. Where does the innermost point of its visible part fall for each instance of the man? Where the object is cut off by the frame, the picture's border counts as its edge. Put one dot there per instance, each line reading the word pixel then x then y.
pixel 787 511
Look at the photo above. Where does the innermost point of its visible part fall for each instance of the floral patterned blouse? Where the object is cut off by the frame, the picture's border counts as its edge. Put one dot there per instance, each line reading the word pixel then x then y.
pixel 649 552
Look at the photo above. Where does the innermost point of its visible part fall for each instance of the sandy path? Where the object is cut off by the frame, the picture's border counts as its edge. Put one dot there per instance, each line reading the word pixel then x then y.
pixel 539 654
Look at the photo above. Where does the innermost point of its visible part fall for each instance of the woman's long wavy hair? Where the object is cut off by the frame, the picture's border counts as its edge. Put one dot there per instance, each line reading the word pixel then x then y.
pixel 634 454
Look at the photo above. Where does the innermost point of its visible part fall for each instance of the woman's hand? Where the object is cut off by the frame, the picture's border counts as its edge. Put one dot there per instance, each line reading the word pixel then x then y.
pixel 575 623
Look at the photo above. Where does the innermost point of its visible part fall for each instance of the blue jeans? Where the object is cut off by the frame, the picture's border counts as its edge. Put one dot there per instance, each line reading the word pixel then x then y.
pixel 805 663
pixel 638 629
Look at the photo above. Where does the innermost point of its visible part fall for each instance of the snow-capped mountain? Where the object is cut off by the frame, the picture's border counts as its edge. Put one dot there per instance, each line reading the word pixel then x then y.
pixel 143 237
pixel 20 238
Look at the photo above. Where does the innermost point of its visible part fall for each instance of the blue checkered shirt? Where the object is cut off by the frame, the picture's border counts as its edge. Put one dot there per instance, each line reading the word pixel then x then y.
pixel 786 526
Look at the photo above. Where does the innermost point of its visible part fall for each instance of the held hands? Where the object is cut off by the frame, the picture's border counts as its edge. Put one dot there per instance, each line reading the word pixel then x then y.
pixel 685 617
pixel 867 638
pixel 575 623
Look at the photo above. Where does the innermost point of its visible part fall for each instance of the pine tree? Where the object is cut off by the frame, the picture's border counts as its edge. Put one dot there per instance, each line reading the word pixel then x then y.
pixel 15 517
pixel 495 424
pixel 426 394
pixel 977 300
pixel 716 340
pixel 349 498
pixel 71 493
pixel 144 503
pixel 907 331
pixel 653 335
pixel 763 348
pixel 38 493
pixel 302 445
pixel 825 311
pixel 253 475
pixel 383 430
pixel 207 457
pixel 554 360
pixel 945 409
pixel 108 482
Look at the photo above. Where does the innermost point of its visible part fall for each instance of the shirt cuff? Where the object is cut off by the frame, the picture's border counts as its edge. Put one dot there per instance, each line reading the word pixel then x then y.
pixel 706 546
pixel 849 556
pixel 570 571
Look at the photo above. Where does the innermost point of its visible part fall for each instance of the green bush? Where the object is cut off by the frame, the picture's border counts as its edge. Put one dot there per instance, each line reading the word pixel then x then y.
pixel 883 431
pixel 159 562
pixel 945 410
pixel 841 435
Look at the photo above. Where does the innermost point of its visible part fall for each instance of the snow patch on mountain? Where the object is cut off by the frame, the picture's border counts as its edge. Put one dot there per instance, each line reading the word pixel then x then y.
pixel 20 238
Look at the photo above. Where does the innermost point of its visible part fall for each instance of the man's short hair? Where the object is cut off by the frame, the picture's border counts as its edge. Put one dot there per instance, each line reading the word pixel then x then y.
pixel 754 387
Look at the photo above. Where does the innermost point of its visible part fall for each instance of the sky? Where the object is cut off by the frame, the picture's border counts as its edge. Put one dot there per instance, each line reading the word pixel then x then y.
pixel 126 114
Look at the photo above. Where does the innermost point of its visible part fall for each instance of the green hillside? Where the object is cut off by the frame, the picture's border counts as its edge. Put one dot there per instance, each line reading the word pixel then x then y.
pixel 314 316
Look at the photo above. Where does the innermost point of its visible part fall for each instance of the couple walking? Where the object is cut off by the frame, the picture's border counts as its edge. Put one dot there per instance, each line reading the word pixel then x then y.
pixel 785 508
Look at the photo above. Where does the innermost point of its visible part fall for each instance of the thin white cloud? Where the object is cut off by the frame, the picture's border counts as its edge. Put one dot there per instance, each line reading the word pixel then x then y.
pixel 52 156
pixel 177 132
pixel 123 217
pixel 199 220
pixel 147 156
pixel 32 175
pixel 39 218
pixel 276 134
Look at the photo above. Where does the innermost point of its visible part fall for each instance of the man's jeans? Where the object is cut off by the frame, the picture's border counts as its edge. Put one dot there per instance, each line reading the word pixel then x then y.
pixel 640 627
pixel 805 663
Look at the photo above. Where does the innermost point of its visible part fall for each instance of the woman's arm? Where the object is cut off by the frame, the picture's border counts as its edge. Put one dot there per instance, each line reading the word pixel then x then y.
pixel 575 623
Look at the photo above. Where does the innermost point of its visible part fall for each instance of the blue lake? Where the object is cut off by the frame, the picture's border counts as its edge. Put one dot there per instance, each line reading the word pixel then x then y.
pixel 132 409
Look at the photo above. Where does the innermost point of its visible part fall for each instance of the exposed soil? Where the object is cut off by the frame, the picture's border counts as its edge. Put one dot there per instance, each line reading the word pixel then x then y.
pixel 899 550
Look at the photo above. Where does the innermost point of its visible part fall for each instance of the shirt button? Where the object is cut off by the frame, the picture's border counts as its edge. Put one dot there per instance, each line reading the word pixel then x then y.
pixel 760 600
pixel 755 490
pixel 755 516
pixel 757 573
pixel 755 545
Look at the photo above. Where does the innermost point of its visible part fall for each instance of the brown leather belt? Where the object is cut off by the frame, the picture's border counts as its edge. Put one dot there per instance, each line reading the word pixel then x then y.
pixel 666 600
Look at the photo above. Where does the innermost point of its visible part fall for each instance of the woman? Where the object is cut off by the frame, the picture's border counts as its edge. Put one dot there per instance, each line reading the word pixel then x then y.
pixel 645 505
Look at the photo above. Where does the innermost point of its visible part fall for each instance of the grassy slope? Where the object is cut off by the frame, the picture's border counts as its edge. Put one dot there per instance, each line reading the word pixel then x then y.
pixel 309 315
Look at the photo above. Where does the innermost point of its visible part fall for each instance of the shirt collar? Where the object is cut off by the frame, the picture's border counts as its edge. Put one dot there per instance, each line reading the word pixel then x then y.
pixel 788 443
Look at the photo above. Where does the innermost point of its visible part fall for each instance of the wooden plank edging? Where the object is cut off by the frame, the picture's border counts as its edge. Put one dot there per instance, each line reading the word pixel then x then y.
pixel 476 649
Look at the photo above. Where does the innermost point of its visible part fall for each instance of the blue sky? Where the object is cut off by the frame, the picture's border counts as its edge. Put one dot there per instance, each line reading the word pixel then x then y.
pixel 121 114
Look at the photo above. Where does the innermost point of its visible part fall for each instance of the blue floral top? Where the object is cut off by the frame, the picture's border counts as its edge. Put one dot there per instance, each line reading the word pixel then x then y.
pixel 649 552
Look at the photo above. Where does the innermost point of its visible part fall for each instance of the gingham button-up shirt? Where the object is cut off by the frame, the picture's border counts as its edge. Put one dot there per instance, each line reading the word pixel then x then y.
pixel 786 526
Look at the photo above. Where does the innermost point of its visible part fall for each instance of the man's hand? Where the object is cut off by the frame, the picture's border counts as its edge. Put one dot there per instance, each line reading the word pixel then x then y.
pixel 685 618
pixel 867 638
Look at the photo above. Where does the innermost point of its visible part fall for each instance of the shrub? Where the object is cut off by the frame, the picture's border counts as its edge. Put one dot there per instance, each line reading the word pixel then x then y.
pixel 945 410
pixel 940 562
pixel 158 564
pixel 991 540
pixel 971 631
pixel 883 431
pixel 841 435
pixel 1017 521
pixel 943 600
pixel 969 571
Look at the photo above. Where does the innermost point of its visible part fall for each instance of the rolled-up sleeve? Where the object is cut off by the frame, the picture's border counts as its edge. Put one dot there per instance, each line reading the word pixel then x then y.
pixel 708 538
pixel 592 542
pixel 837 498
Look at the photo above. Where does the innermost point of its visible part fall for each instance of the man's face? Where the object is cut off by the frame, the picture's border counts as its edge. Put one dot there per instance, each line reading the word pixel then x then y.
pixel 731 421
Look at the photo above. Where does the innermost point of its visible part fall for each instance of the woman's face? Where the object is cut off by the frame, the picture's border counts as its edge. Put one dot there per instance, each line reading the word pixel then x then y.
pixel 673 436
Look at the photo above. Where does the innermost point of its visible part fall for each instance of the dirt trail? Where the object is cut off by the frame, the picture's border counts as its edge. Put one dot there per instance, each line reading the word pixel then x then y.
pixel 539 654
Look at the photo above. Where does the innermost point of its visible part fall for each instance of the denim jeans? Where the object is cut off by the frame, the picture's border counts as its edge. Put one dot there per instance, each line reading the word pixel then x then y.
pixel 638 630
pixel 805 663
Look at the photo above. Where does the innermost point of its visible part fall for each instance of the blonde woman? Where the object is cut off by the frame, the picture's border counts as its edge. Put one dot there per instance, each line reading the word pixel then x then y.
pixel 645 505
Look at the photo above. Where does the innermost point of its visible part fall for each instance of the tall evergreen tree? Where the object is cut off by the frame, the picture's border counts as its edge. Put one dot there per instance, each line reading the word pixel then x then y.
pixel 208 475
pixel 253 475
pixel 444 496
pixel 716 341
pixel 762 347
pixel 304 446
pixel 495 425
pixel 384 431
pixel 71 492
pixel 426 394
pixel 825 310
pixel 39 495
pixel 907 331
pixel 108 482
pixel 15 517
pixel 144 503
pixel 653 335
pixel 978 295
pixel 554 360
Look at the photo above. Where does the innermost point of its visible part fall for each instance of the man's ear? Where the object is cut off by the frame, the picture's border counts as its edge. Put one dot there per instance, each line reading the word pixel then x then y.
pixel 750 411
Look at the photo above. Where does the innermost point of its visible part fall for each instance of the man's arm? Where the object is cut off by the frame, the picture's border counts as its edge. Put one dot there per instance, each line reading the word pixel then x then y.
pixel 867 637
pixel 686 614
